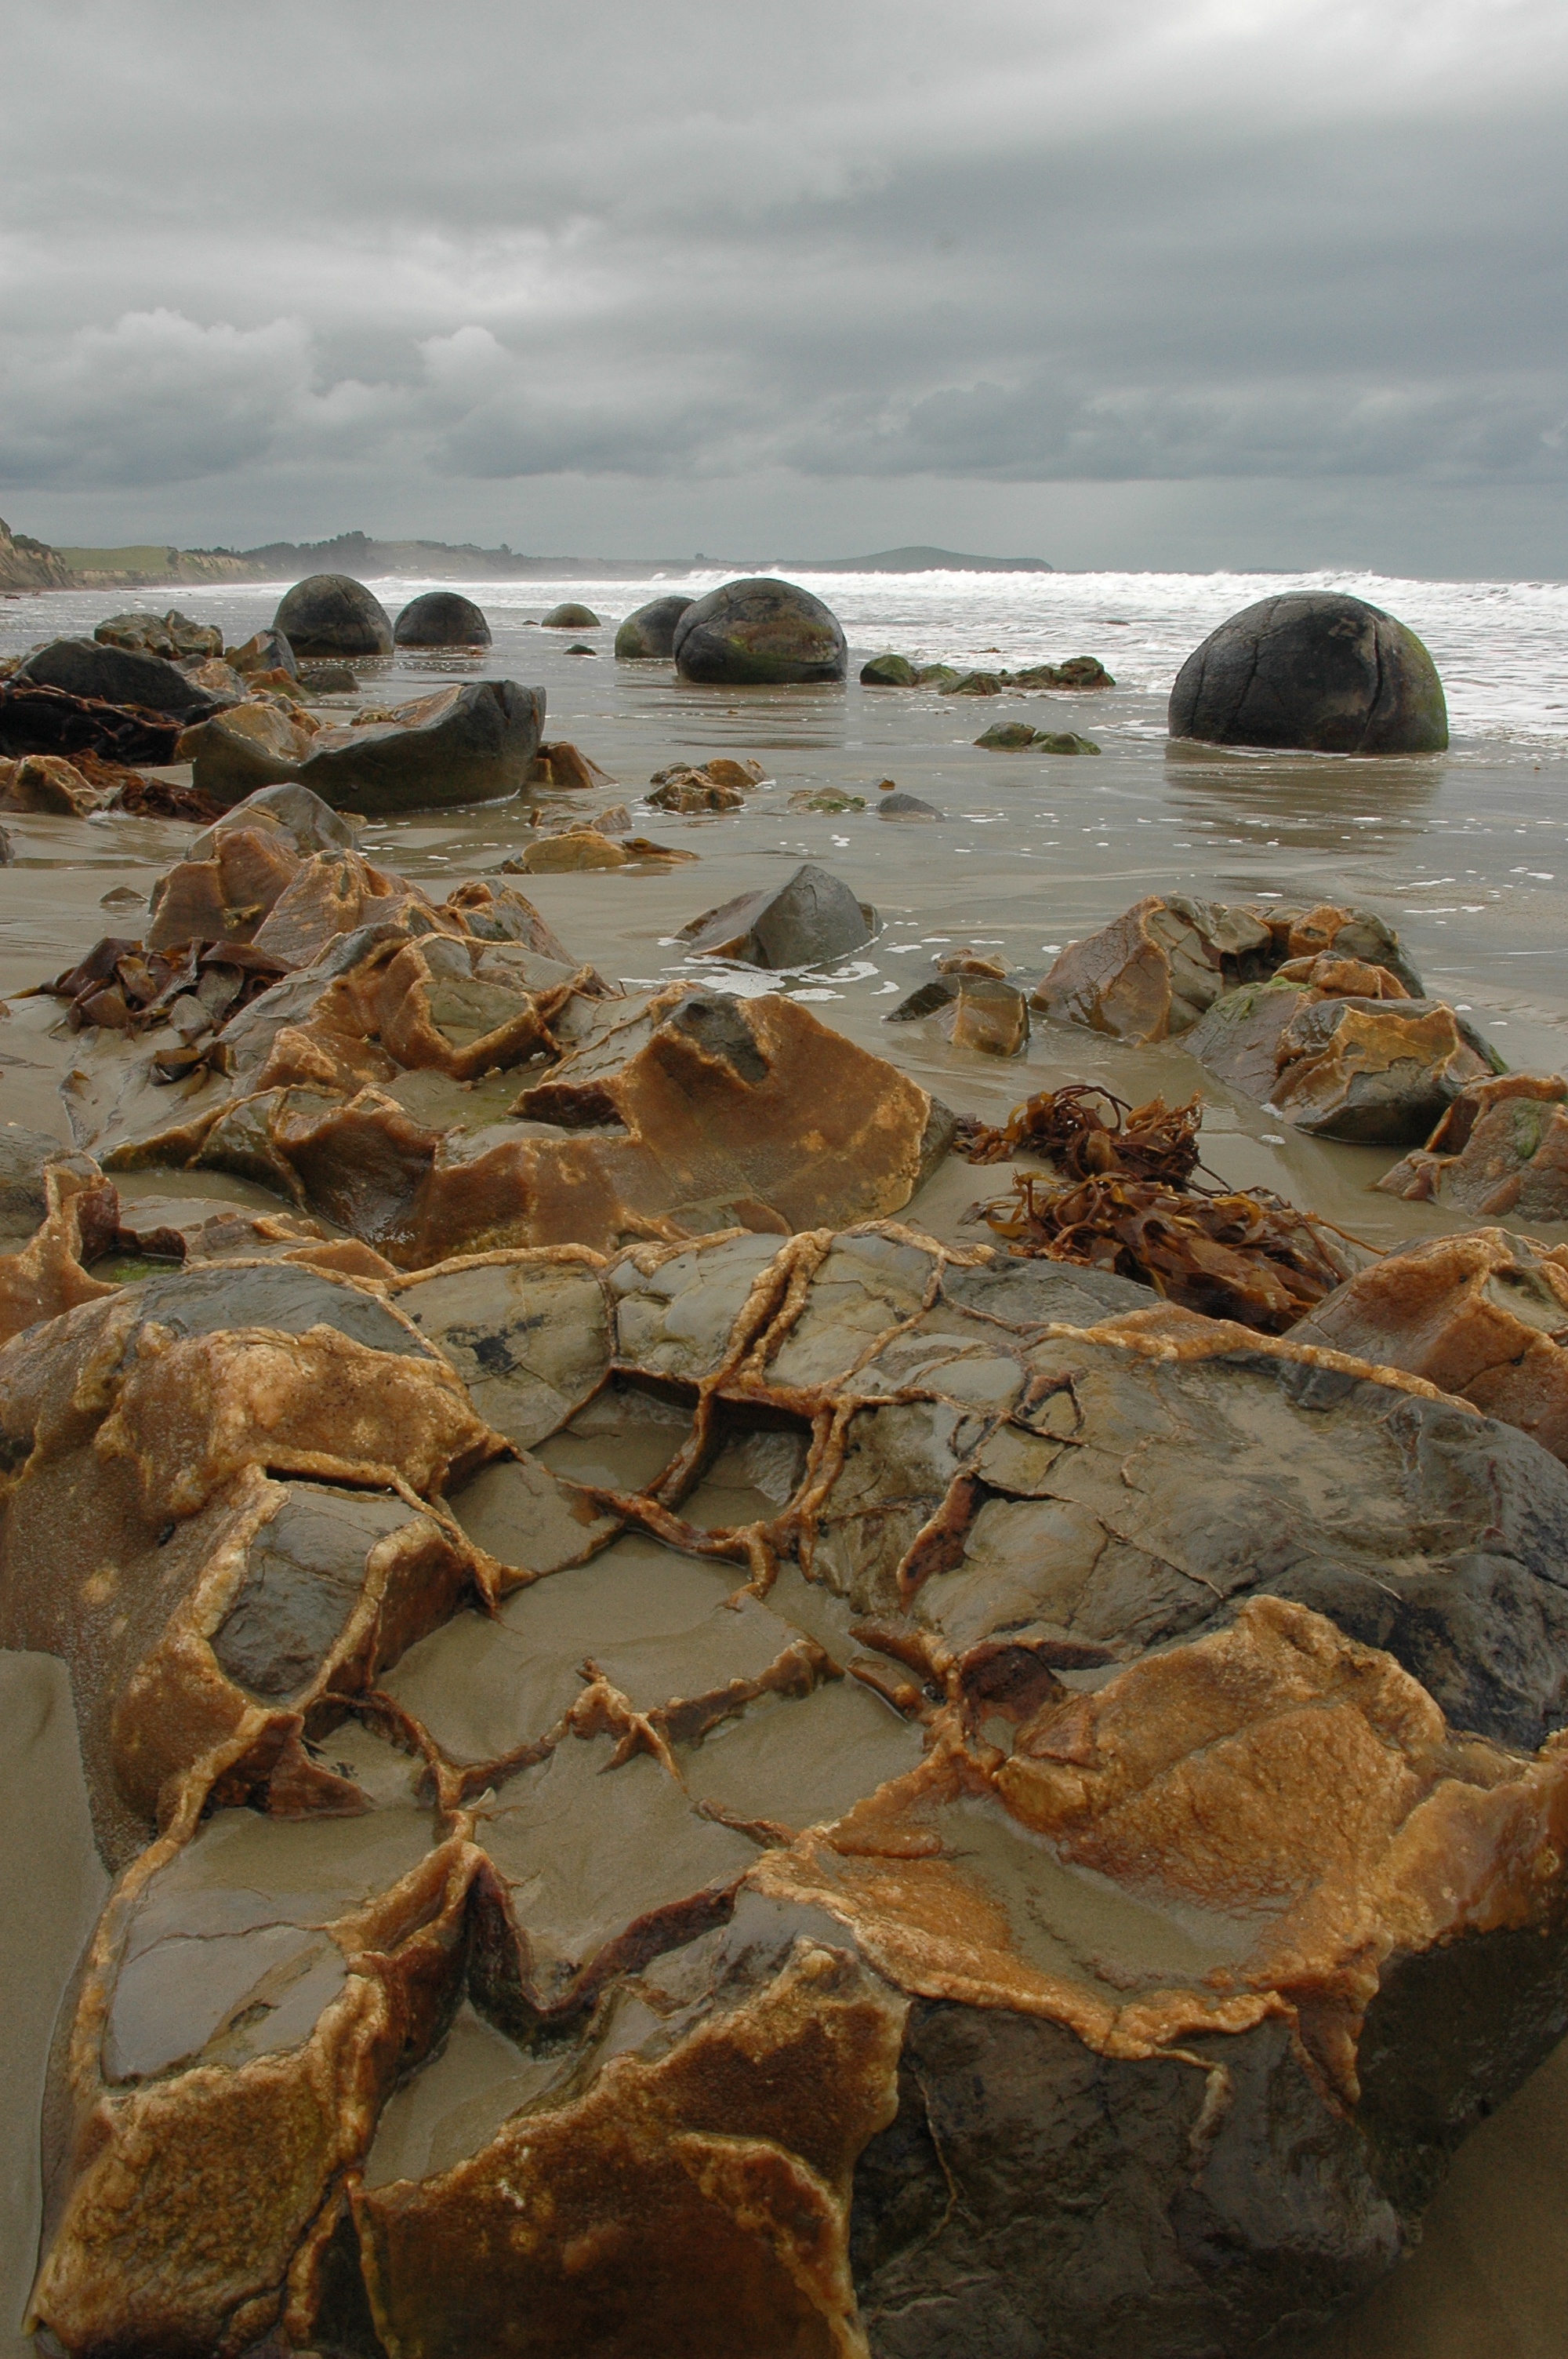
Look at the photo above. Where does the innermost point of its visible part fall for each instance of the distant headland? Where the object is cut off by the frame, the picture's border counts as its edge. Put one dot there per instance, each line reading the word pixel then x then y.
pixel 28 564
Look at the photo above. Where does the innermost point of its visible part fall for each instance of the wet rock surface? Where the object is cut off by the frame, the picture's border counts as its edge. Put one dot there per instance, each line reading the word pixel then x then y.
pixel 1314 668
pixel 1501 1149
pixel 863 1797
pixel 332 615
pixel 757 632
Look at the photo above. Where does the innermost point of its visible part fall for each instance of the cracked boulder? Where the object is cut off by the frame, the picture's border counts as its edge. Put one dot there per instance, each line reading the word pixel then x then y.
pixel 846 1798
pixel 1314 668
pixel 1158 969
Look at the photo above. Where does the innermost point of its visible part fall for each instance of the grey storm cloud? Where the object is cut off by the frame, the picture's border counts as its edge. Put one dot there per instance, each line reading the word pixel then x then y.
pixel 1178 239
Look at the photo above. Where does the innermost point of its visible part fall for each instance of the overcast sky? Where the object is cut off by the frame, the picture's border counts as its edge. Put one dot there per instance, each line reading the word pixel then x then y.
pixel 1153 283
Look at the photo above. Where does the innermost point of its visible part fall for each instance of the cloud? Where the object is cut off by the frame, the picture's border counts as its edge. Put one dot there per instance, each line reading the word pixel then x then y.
pixel 1164 241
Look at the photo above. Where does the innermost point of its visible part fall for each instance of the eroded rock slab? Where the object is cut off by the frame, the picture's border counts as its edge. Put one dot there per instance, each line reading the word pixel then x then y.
pixel 885 1802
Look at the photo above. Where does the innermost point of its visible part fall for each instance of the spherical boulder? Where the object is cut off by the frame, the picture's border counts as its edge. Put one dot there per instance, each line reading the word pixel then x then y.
pixel 1315 670
pixel 570 618
pixel 440 618
pixel 758 631
pixel 332 615
pixel 651 631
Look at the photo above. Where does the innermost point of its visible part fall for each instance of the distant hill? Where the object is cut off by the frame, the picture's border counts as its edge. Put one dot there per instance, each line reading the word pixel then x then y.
pixel 32 564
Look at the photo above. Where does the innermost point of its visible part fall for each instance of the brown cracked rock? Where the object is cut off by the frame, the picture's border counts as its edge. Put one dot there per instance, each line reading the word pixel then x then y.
pixel 1500 1147
pixel 1156 971
pixel 1482 1314
pixel 892 1803
pixel 665 1115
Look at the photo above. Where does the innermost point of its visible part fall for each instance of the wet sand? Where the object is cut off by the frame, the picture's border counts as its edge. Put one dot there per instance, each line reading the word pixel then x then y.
pixel 1466 854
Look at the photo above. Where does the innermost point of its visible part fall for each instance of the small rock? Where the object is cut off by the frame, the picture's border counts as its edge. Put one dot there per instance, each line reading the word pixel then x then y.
pixel 308 823
pixel 265 651
pixel 975 683
pixel 941 676
pixel 824 798
pixel 1316 670
pixel 757 632
pixel 888 671
pixel 47 782
pixel 810 918
pixel 1077 672
pixel 651 631
pixel 1006 736
pixel 906 807
pixel 440 618
pixel 990 1016
pixel 332 615
pixel 564 767
pixel 328 679
pixel 1063 741
pixel 7 850
pixel 570 618
pixel 681 789
pixel 580 847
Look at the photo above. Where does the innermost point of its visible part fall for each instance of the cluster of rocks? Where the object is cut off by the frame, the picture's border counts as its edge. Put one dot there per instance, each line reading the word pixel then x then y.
pixel 906 671
pixel 1017 736
pixel 784 1796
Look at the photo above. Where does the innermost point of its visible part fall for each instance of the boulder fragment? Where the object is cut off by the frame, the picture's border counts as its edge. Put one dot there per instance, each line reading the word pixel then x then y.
pixel 172 635
pixel 1501 1148
pixel 810 918
pixel 86 669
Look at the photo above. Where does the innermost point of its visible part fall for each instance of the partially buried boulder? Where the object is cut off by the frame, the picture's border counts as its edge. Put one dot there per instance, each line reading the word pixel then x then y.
pixel 332 615
pixel 299 815
pixel 173 636
pixel 812 917
pixel 126 676
pixel 47 782
pixel 1377 1072
pixel 440 618
pixel 1501 1149
pixel 1316 670
pixel 888 671
pixel 570 618
pixel 651 631
pixel 473 742
pixel 758 633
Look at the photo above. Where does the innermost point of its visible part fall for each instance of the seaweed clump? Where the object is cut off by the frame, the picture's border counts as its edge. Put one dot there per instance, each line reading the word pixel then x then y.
pixel 1131 1200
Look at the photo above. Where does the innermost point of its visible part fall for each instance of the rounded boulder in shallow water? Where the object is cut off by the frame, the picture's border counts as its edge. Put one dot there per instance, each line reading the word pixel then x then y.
pixel 759 632
pixel 440 618
pixel 651 631
pixel 570 618
pixel 332 615
pixel 1313 670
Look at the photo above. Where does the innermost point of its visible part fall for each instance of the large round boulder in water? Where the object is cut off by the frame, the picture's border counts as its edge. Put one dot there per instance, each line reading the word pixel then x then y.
pixel 758 631
pixel 1312 669
pixel 332 615
pixel 440 618
pixel 651 631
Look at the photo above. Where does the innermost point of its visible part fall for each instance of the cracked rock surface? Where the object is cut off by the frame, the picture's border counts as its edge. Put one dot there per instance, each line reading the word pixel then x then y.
pixel 773 1797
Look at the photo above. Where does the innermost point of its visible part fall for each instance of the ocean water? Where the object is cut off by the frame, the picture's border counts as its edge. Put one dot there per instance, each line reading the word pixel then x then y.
pixel 1466 852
